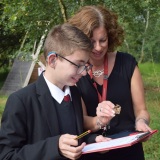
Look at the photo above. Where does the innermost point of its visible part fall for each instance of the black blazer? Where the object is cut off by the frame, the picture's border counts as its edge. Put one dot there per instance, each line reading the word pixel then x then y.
pixel 30 129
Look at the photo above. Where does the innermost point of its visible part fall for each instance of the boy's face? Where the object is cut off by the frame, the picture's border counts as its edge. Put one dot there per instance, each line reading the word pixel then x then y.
pixel 66 72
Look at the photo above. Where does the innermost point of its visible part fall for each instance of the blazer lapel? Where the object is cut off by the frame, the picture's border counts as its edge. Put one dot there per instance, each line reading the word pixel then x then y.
pixel 47 104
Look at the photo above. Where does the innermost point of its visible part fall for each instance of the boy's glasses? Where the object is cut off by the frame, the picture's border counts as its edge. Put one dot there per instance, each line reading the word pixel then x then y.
pixel 80 68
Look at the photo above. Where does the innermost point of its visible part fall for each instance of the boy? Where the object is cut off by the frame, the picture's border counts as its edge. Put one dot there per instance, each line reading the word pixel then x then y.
pixel 37 123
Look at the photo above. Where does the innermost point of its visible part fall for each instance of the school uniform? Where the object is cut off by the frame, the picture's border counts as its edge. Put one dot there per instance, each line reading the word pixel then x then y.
pixel 33 122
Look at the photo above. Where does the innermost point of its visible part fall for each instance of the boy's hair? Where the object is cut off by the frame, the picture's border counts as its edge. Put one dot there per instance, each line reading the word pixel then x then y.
pixel 65 39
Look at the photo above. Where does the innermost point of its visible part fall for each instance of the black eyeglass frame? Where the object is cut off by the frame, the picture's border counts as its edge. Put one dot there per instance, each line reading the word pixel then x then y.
pixel 87 68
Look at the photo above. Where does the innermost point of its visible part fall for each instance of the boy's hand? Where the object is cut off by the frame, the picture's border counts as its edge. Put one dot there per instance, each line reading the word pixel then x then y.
pixel 69 148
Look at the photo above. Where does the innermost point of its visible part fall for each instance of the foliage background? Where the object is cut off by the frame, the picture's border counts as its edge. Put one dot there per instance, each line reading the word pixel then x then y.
pixel 24 22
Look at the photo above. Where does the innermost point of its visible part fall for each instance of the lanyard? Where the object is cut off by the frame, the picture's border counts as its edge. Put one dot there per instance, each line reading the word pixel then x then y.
pixel 104 89
pixel 105 81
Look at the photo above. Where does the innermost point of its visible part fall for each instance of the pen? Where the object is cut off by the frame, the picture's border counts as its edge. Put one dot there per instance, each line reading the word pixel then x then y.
pixel 83 134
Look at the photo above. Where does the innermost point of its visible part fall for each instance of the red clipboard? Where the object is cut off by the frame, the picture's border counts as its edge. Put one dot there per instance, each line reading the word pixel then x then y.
pixel 117 143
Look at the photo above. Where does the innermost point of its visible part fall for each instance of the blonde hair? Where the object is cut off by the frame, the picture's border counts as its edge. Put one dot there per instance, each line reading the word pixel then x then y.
pixel 89 18
pixel 65 39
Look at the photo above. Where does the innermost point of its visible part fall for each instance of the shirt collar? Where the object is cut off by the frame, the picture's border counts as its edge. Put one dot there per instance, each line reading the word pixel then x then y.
pixel 56 92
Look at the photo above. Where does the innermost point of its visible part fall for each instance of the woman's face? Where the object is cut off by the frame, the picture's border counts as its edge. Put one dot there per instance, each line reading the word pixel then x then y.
pixel 100 43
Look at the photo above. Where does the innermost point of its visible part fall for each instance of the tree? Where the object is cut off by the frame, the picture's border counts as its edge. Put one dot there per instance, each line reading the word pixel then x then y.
pixel 23 22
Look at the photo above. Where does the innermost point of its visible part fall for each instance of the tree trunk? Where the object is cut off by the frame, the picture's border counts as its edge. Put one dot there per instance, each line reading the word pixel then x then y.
pixel 143 41
pixel 62 10
pixel 127 45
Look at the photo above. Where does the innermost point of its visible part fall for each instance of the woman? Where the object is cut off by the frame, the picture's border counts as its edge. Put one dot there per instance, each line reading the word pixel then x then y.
pixel 114 77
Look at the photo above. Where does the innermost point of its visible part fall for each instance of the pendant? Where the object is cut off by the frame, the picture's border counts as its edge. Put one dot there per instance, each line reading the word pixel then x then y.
pixel 98 73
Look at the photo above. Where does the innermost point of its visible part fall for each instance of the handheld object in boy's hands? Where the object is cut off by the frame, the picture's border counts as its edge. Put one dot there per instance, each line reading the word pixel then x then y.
pixel 83 134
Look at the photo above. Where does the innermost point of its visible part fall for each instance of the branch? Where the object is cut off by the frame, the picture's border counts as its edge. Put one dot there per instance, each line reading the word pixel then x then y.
pixel 35 57
pixel 143 41
pixel 127 45
pixel 22 44
pixel 62 10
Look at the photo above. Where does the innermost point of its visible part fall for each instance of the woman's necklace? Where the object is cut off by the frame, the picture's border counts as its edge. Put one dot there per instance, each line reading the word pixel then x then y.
pixel 98 73
pixel 105 80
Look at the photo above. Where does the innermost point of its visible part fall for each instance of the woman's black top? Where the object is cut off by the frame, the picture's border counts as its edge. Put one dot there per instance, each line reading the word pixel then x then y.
pixel 118 92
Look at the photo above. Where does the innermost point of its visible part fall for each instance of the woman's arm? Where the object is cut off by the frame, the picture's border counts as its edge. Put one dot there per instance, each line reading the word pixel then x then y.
pixel 89 122
pixel 139 106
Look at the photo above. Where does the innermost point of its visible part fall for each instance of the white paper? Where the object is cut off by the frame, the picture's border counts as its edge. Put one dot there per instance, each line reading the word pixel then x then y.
pixel 112 143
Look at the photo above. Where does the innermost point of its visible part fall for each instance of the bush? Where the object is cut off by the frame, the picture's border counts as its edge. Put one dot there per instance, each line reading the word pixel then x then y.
pixel 3 75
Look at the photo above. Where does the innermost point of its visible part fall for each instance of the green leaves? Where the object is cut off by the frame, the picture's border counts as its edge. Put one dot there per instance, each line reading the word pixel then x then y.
pixel 35 16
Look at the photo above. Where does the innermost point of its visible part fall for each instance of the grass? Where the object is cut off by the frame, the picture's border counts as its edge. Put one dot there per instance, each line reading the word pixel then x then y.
pixel 152 146
pixel 3 100
pixel 3 75
pixel 151 77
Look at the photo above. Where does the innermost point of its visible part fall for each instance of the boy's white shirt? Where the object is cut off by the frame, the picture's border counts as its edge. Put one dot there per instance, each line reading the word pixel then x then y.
pixel 56 92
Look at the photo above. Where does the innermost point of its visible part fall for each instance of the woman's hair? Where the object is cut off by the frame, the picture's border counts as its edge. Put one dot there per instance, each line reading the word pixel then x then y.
pixel 90 17
pixel 65 39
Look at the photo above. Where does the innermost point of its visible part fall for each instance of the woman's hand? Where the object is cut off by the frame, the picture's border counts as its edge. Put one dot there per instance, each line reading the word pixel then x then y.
pixel 105 112
pixel 142 125
pixel 100 138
